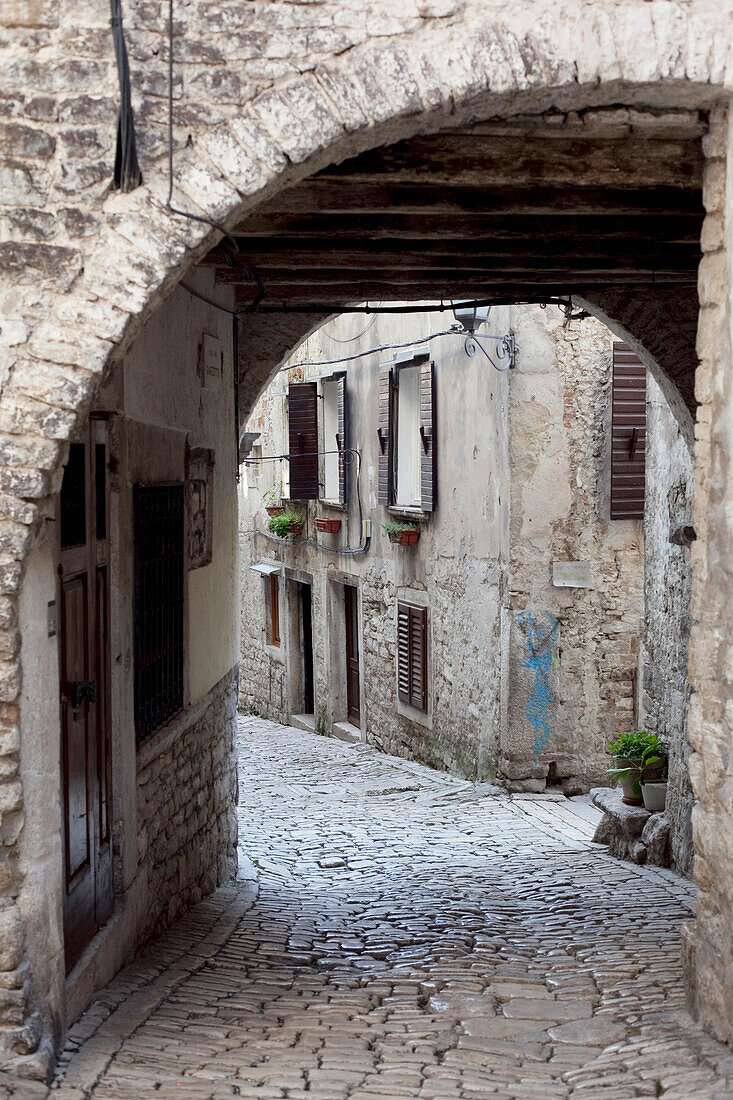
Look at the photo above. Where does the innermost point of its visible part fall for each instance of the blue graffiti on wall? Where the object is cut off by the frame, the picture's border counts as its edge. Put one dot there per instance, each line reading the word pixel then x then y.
pixel 541 638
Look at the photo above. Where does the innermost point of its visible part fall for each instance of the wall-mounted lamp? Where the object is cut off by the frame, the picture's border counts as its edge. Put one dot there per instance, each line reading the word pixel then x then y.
pixel 470 317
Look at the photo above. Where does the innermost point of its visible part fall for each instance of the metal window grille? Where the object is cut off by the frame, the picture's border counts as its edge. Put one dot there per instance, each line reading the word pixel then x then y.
pixel 158 608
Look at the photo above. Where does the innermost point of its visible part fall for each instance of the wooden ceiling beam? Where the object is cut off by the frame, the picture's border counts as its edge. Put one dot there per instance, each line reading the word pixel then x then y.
pixel 482 224
pixel 338 196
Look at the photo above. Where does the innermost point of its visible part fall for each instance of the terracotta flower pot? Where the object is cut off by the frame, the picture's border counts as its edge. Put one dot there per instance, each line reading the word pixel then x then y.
pixel 407 537
pixel 296 530
pixel 330 526
pixel 274 509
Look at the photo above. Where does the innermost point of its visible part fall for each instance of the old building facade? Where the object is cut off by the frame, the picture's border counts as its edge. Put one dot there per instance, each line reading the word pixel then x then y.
pixel 527 596
pixel 265 97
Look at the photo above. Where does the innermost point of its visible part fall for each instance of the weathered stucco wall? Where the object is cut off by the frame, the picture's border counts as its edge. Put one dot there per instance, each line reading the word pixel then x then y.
pixel 524 477
pixel 455 569
pixel 571 681
pixel 667 588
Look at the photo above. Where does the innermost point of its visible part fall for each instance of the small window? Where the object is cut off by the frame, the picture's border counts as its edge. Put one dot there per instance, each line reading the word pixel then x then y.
pixel 408 438
pixel 272 588
pixel 412 655
pixel 331 443
pixel 158 605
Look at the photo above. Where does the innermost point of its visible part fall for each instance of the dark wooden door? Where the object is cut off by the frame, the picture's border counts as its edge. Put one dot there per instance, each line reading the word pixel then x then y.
pixel 306 614
pixel 84 683
pixel 353 687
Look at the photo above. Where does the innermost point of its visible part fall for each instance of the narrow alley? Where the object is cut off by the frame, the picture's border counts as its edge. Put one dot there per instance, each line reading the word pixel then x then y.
pixel 397 932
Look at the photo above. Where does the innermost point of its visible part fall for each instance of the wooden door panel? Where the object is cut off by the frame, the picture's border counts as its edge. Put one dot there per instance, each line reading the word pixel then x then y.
pixel 353 686
pixel 76 724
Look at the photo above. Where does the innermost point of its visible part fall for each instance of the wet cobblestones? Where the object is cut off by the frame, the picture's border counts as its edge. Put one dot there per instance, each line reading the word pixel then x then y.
pixel 400 933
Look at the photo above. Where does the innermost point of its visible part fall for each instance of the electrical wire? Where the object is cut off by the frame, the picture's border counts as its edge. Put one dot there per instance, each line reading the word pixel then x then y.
pixel 452 331
pixel 355 457
pixel 127 175
pixel 350 339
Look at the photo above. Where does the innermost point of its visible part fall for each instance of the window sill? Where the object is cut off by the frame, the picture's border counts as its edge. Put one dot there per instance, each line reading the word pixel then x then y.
pixel 417 717
pixel 274 652
pixel 406 512
pixel 335 504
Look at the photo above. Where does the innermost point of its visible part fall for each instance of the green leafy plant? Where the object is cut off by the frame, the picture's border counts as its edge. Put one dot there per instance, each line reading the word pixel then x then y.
pixel 398 528
pixel 640 750
pixel 289 523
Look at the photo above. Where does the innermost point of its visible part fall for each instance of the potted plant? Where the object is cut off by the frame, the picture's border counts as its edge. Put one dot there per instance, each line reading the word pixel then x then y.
pixel 638 757
pixel 272 497
pixel 404 534
pixel 286 524
pixel 330 526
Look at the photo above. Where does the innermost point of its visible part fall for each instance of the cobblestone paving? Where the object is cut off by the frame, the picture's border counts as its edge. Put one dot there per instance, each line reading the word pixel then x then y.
pixel 409 935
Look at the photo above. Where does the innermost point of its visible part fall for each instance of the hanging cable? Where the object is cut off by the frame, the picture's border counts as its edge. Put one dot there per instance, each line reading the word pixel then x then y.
pixel 452 331
pixel 127 174
pixel 350 339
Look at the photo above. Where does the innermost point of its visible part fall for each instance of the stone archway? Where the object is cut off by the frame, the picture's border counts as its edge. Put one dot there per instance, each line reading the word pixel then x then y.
pixel 86 270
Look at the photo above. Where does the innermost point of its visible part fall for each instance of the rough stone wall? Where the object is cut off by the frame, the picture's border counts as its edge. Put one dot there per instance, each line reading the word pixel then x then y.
pixel 346 76
pixel 186 808
pixel 589 636
pixel 709 943
pixel 667 589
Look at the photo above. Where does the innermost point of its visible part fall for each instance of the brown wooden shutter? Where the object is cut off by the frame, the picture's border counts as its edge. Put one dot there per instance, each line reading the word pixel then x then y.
pixel 385 433
pixel 428 439
pixel 342 440
pixel 303 440
pixel 412 655
pixel 628 434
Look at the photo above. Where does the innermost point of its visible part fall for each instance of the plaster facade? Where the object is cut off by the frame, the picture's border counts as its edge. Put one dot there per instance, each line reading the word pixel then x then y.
pixel 266 94
pixel 523 480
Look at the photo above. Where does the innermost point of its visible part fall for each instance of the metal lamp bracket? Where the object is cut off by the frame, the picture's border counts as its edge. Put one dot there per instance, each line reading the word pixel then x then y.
pixel 504 350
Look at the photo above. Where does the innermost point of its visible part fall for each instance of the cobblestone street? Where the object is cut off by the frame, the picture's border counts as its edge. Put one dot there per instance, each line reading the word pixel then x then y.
pixel 401 933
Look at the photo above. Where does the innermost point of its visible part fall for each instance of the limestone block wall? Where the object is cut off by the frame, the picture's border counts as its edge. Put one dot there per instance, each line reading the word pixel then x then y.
pixel 186 808
pixel 667 589
pixel 709 943
pixel 573 652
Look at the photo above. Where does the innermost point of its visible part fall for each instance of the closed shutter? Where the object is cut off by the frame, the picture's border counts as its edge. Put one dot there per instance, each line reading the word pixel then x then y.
pixel 385 433
pixel 412 655
pixel 303 440
pixel 628 434
pixel 428 467
pixel 342 440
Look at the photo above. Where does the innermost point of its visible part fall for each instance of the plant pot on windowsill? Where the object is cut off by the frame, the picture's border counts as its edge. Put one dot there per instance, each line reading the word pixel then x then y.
pixel 274 509
pixel 330 526
pixel 403 534
pixel 286 525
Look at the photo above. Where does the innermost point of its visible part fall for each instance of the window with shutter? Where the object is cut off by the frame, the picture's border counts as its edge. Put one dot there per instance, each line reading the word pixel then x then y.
pixel 303 440
pixel 385 431
pixel 412 655
pixel 628 434
pixel 334 439
pixel 428 467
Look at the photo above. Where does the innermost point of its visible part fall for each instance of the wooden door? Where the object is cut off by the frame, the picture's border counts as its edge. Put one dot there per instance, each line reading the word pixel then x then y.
pixel 84 683
pixel 353 687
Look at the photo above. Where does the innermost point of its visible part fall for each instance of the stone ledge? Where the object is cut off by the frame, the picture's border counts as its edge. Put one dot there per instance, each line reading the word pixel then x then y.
pixel 630 832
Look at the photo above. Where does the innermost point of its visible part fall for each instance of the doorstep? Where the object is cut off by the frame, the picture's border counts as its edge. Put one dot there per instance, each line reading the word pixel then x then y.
pixel 346 731
pixel 303 722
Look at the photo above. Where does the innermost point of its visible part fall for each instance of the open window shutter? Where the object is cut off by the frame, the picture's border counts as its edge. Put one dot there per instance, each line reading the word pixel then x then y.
pixel 303 440
pixel 403 652
pixel 428 468
pixel 412 655
pixel 628 434
pixel 342 440
pixel 385 433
